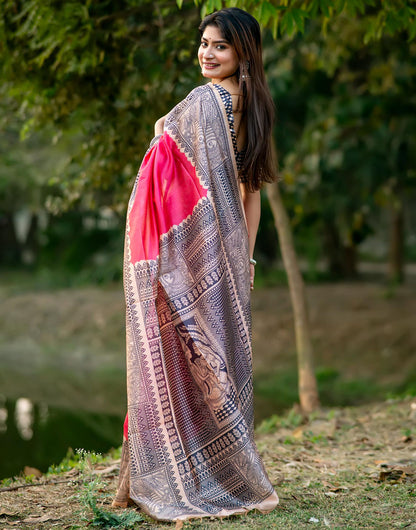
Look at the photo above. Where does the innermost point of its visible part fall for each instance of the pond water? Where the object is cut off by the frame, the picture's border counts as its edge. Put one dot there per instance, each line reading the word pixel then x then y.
pixel 53 400
pixel 38 435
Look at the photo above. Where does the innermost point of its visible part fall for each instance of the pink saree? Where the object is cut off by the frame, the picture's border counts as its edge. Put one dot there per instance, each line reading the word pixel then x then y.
pixel 189 450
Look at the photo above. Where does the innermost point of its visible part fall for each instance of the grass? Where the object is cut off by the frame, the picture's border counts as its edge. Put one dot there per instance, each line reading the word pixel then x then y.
pixel 383 507
pixel 334 389
pixel 89 498
pixel 352 467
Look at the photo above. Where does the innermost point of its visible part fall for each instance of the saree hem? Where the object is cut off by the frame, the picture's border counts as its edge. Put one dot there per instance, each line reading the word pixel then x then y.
pixel 264 507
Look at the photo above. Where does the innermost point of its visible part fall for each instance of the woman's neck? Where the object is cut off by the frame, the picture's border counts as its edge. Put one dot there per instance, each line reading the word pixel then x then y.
pixel 229 83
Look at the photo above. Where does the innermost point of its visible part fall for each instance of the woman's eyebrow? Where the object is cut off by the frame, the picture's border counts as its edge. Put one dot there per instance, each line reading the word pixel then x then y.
pixel 216 41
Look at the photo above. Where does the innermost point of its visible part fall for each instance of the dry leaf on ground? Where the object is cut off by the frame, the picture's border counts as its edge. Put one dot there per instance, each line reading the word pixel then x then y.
pixel 40 519
pixel 396 473
pixel 28 471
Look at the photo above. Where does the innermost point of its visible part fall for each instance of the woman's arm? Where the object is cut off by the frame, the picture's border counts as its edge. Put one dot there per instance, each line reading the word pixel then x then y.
pixel 252 208
pixel 159 125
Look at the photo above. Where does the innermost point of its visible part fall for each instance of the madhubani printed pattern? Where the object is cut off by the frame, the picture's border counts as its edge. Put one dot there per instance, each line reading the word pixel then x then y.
pixel 190 398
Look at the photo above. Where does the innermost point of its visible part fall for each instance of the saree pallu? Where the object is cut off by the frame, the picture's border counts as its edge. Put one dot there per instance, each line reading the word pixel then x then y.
pixel 189 450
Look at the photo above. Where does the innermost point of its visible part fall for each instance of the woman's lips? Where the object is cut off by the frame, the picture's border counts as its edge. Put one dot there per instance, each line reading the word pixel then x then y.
pixel 210 65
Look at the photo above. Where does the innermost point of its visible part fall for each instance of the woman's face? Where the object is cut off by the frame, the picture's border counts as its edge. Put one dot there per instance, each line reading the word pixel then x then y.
pixel 217 58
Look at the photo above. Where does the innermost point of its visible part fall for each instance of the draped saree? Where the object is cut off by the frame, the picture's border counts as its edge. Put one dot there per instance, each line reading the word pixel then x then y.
pixel 189 450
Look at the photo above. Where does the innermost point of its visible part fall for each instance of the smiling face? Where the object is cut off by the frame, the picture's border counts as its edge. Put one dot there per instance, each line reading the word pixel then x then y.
pixel 217 58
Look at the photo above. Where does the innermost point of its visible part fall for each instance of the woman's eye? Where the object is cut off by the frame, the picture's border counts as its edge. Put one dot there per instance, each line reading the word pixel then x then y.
pixel 203 45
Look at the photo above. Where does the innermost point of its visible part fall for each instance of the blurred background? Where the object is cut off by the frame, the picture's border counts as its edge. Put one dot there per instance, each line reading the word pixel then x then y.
pixel 82 85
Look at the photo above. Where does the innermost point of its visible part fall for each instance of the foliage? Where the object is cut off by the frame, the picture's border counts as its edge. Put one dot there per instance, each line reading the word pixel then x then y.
pixel 103 70
pixel 89 496
pixel 70 461
pixel 348 146
pixel 93 257
pixel 291 420
pixel 289 17
pixel 94 76
pixel 335 389
pixel 108 520
pixel 21 184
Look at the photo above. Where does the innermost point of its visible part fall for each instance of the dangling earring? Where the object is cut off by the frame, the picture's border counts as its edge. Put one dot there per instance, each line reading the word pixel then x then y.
pixel 245 75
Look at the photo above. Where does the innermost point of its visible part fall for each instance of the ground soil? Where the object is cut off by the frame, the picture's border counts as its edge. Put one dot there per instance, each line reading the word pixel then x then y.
pixel 351 456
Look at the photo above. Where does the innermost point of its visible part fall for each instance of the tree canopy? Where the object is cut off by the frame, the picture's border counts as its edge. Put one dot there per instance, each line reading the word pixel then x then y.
pixel 103 71
pixel 94 76
pixel 107 70
pixel 288 17
pixel 348 146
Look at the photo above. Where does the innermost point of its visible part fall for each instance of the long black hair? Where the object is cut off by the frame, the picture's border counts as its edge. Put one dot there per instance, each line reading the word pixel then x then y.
pixel 242 31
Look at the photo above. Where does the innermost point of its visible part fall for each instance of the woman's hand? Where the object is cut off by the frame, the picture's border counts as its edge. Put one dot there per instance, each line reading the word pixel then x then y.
pixel 252 206
pixel 159 125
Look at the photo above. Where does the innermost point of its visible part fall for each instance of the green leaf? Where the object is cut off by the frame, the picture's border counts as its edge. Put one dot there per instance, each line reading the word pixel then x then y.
pixel 325 23
pixel 412 31
pixel 299 17
pixel 208 7
pixel 266 11
pixel 313 7
pixel 288 23
pixel 339 6
pixel 275 26
pixel 325 6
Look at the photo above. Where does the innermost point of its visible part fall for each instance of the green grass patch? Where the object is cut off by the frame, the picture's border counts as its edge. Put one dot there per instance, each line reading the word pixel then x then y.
pixel 277 391
pixel 323 481
pixel 381 507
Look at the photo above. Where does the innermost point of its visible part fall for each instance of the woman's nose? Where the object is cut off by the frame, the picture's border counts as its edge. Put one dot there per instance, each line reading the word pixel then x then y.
pixel 208 52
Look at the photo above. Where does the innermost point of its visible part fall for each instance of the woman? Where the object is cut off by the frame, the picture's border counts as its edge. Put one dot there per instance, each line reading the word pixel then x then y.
pixel 193 215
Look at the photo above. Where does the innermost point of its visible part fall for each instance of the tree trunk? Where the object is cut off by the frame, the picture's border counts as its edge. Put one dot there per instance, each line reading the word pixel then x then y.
pixel 350 261
pixel 332 247
pixel 308 388
pixel 396 257
pixel 10 252
pixel 342 259
pixel 31 246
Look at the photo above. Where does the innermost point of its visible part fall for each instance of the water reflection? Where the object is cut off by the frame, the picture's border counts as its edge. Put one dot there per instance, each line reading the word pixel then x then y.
pixel 23 416
pixel 3 415
pixel 38 435
pixel 34 433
